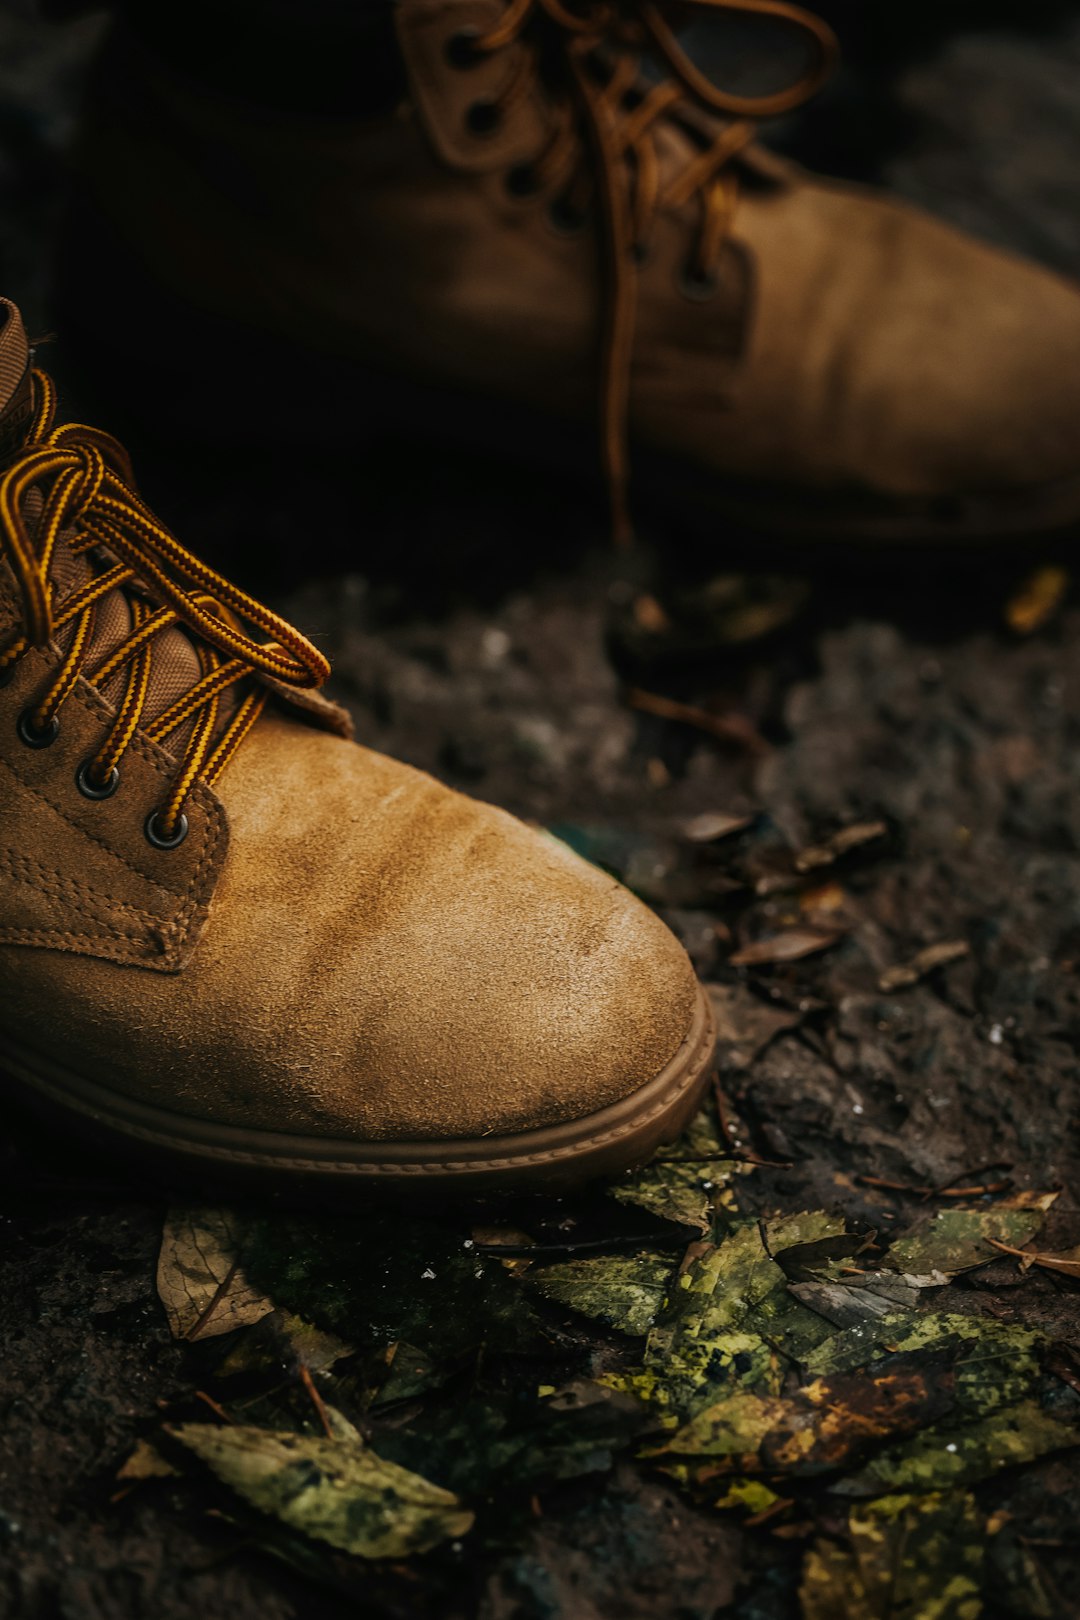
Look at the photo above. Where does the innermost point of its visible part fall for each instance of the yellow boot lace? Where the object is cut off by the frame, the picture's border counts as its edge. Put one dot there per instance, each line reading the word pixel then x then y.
pixel 617 111
pixel 89 505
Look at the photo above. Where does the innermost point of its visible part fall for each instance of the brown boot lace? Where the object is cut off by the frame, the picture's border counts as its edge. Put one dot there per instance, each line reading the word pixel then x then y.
pixel 84 482
pixel 601 44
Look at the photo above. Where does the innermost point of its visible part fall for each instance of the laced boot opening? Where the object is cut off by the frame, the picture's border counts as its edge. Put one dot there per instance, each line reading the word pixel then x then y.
pixel 617 75
pixel 133 613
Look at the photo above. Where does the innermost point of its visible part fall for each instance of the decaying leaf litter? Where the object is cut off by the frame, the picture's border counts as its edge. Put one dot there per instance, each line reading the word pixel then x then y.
pixel 403 1386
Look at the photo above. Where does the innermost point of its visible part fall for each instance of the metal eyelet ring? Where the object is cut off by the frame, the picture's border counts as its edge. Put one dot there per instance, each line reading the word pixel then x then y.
pixel 483 118
pixel 31 735
pixel 460 49
pixel 90 789
pixel 698 285
pixel 158 839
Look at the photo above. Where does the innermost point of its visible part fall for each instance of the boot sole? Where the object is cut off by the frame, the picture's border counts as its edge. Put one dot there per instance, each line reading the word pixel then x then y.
pixel 552 1159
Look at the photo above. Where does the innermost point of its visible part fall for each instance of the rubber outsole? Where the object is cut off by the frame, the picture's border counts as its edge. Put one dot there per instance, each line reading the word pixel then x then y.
pixel 554 1158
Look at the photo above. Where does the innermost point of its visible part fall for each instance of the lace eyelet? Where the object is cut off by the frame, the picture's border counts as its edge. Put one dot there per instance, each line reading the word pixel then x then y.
pixel 90 789
pixel 31 736
pixel 564 219
pixel 698 285
pixel 483 118
pixel 460 49
pixel 521 180
pixel 157 838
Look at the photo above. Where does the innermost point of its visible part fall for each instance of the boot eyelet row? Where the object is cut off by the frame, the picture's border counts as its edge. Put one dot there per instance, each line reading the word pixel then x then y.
pixel 90 789
pixel 34 737
pixel 31 735
pixel 155 836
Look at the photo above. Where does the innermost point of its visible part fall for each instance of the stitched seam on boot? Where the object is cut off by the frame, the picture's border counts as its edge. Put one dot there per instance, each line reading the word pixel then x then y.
pixel 65 939
pixel 173 894
pixel 46 880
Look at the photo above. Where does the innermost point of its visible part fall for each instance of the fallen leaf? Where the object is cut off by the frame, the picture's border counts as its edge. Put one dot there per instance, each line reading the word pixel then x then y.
pixel 146 1462
pixel 1038 599
pixel 841 843
pixel 915 1556
pixel 731 728
pixel 685 1182
pixel 199 1277
pixel 332 1490
pixel 625 1291
pixel 712 826
pixel 790 946
pixel 956 1240
pixel 905 974
pixel 826 1425
pixel 284 1340
pixel 940 1458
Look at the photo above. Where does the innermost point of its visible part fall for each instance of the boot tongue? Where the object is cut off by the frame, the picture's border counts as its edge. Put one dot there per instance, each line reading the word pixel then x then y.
pixel 16 400
pixel 174 664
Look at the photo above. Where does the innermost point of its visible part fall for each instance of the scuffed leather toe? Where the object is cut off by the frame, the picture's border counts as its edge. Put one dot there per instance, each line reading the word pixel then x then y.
pixel 386 959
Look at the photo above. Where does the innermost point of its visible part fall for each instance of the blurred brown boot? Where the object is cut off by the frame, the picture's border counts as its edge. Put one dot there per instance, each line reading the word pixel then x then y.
pixel 534 236
pixel 233 941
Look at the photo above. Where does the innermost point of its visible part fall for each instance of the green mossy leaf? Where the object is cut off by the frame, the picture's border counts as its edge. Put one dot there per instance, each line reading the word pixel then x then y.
pixel 948 1456
pixel 624 1290
pixel 686 1182
pixel 955 1240
pixel 332 1490
pixel 906 1558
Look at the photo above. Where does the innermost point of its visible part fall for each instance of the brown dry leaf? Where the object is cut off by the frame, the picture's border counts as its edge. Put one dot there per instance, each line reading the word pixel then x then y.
pixel 730 728
pixel 905 974
pixel 1066 1262
pixel 713 825
pixel 789 946
pixel 146 1462
pixel 841 843
pixel 199 1277
pixel 1038 599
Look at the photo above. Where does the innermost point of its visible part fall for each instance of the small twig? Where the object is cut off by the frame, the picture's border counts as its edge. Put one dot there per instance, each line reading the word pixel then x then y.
pixel 218 1410
pixel 533 1251
pixel 935 1192
pixel 770 1512
pixel 316 1400
pixel 728 728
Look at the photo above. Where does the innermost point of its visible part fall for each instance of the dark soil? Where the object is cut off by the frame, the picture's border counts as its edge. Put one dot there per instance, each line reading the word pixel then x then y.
pixel 470 640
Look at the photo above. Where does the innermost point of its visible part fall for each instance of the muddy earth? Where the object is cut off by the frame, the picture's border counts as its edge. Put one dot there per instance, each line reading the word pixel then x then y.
pixel 855 793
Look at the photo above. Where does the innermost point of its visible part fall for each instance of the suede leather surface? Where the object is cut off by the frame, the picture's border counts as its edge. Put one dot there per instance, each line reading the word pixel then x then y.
pixel 854 346
pixel 382 959
pixel 76 875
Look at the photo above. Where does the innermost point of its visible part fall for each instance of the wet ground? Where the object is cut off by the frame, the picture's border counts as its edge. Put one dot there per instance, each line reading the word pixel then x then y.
pixel 502 647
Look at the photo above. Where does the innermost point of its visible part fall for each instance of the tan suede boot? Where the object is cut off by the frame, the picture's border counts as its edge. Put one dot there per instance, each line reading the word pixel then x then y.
pixel 231 937
pixel 533 227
